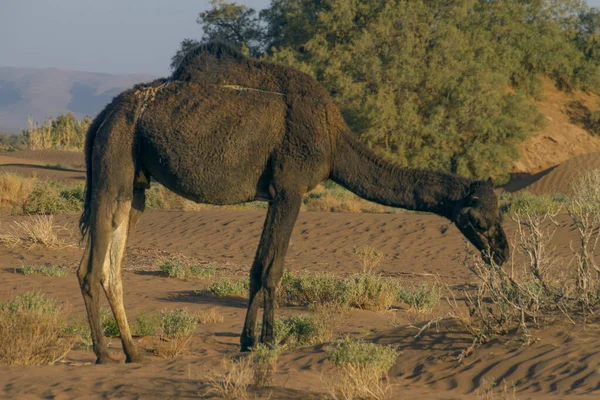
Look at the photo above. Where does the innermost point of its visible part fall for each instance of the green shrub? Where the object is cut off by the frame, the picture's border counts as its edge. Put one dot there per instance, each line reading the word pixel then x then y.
pixel 54 198
pixel 227 287
pixel 199 271
pixel 82 332
pixel 146 325
pixel 177 323
pixel 32 302
pixel 173 269
pixel 31 329
pixel 303 288
pixel 110 328
pixel 524 203
pixel 52 270
pixel 359 353
pixel 421 298
pixel 301 330
pixel 368 290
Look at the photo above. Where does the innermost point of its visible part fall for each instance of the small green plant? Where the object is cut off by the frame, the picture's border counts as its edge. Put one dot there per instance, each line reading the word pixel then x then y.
pixel 52 270
pixel 176 330
pixel 264 363
pixel 82 332
pixel 422 298
pixel 202 272
pixel 110 328
pixel 32 302
pixel 173 269
pixel 524 203
pixel 361 367
pixel 301 330
pixel 228 287
pixel 303 289
pixel 31 327
pixel 146 324
pixel 368 290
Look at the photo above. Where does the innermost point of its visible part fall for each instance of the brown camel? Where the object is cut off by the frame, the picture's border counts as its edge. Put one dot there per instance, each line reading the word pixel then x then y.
pixel 226 129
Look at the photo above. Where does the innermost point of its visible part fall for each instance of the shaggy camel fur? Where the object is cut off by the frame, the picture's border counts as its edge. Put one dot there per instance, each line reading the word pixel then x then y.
pixel 226 129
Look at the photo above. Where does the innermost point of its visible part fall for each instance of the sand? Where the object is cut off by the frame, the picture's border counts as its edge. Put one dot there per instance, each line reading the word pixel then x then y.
pixel 563 363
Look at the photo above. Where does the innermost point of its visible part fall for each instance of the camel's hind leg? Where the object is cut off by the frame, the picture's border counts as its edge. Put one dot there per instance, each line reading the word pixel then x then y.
pixel 108 236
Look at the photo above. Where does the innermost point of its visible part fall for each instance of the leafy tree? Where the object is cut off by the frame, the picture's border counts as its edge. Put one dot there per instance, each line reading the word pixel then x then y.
pixel 430 83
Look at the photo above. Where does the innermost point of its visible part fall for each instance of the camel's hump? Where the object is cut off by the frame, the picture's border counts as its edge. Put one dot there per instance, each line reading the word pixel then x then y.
pixel 205 58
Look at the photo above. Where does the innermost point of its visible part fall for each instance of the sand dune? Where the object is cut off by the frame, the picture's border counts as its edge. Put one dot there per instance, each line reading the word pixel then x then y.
pixel 564 362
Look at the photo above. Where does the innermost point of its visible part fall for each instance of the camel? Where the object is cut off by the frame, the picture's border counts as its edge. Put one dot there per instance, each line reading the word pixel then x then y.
pixel 226 129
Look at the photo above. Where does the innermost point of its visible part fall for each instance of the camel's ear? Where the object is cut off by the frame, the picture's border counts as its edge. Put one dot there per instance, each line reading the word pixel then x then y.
pixel 490 181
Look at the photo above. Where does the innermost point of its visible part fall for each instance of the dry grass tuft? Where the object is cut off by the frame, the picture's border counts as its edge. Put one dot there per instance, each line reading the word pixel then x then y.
pixel 176 330
pixel 31 331
pixel 361 367
pixel 234 382
pixel 37 229
pixel 209 316
pixel 264 365
pixel 14 190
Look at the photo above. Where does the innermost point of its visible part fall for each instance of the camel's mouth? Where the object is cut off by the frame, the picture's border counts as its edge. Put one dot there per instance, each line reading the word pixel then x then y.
pixel 492 243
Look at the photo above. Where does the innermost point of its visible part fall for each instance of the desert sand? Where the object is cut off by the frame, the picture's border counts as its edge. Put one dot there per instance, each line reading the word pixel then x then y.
pixel 562 363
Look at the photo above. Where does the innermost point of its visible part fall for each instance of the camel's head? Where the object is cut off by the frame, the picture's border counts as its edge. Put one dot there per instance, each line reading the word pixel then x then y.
pixel 480 220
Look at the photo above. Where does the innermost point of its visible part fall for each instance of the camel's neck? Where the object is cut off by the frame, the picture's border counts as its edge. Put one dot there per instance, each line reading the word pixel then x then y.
pixel 366 174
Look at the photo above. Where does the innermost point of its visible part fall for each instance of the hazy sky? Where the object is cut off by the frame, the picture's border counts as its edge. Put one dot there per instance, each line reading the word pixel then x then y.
pixel 113 36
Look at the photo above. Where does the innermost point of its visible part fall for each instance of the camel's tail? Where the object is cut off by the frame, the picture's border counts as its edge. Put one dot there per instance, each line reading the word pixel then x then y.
pixel 84 221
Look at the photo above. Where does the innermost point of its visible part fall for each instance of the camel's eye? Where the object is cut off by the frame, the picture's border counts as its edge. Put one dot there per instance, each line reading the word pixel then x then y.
pixel 479 223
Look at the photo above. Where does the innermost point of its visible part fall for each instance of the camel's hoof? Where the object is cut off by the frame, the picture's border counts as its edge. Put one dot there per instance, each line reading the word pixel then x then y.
pixel 247 344
pixel 107 360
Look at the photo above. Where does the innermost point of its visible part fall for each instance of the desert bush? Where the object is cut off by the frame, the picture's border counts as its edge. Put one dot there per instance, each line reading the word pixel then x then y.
pixel 362 366
pixel 82 332
pixel 208 316
pixel 50 197
pixel 301 330
pixel 368 290
pixel 233 383
pixel 228 287
pixel 176 330
pixel 173 269
pixel 146 324
pixel 303 289
pixel 527 203
pixel 31 328
pixel 52 270
pixel 526 293
pixel 37 229
pixel 264 365
pixel 202 272
pixel 110 328
pixel 65 132
pixel 422 298
pixel 14 190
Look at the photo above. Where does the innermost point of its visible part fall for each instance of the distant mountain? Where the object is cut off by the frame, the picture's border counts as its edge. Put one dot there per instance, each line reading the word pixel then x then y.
pixel 38 93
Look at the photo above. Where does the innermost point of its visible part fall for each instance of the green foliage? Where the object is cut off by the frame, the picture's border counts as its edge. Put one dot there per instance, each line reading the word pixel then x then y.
pixel 173 269
pixel 50 197
pixel 177 324
pixel 110 328
pixel 358 353
pixel 201 271
pixel 303 289
pixel 524 203
pixel 227 287
pixel 301 330
pixel 146 324
pixel 368 290
pixel 421 298
pixel 31 302
pixel 52 270
pixel 443 85
pixel 82 332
